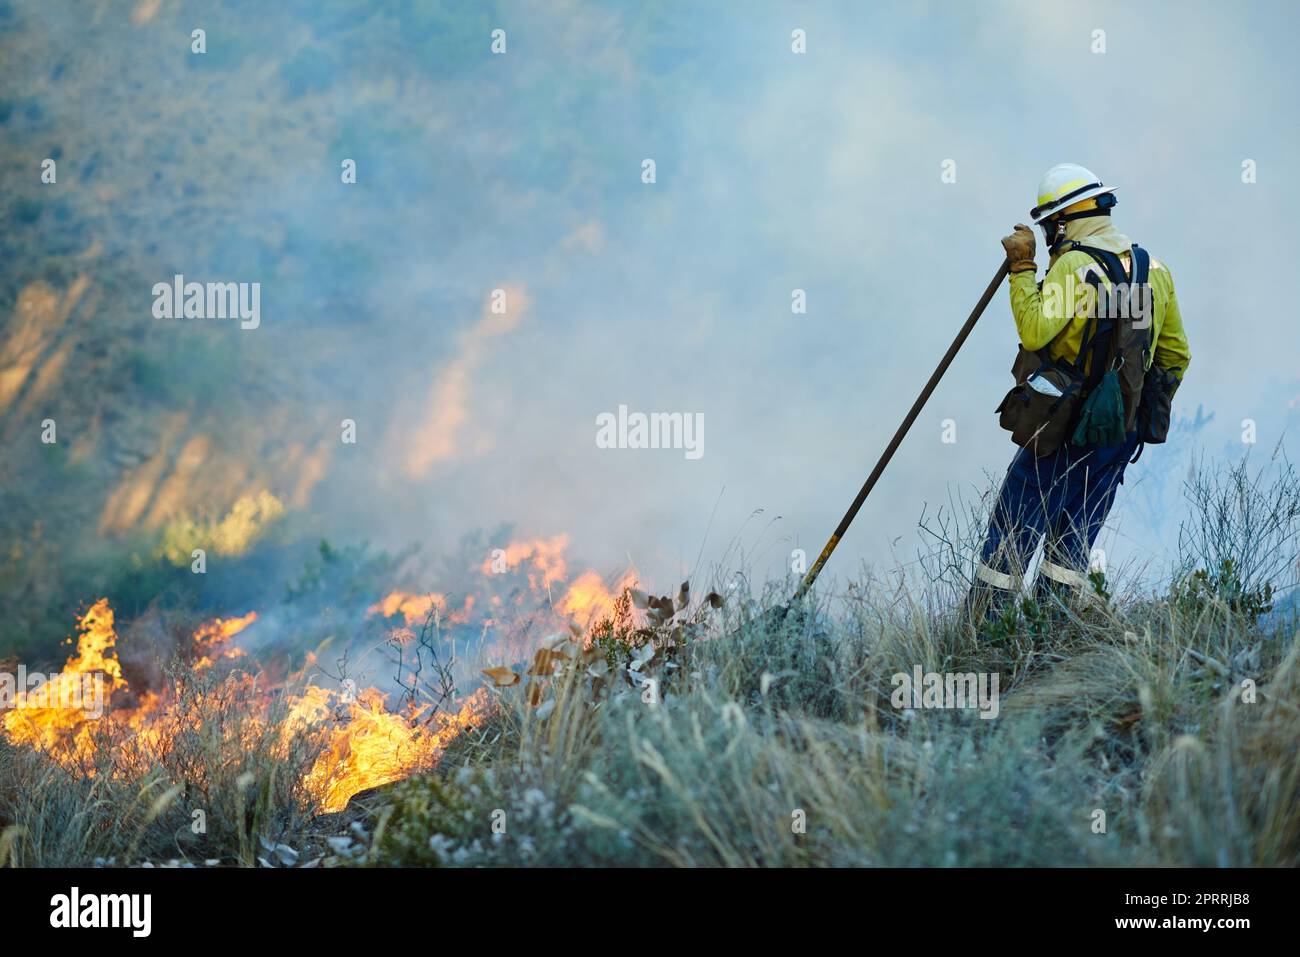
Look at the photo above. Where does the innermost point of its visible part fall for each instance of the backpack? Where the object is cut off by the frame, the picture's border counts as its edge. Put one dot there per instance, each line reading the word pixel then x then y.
pixel 1116 339
pixel 1105 393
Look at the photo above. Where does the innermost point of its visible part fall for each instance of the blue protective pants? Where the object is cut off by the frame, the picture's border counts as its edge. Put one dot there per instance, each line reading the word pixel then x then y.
pixel 1065 496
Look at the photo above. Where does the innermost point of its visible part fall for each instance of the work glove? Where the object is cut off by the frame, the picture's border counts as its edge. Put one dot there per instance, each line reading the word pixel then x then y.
pixel 1020 249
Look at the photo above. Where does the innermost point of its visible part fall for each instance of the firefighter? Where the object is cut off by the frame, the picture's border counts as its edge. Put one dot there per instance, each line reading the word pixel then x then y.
pixel 1120 372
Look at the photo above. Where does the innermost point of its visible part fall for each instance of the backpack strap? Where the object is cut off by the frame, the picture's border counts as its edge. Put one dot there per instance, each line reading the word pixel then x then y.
pixel 1109 262
pixel 1141 264
pixel 1141 260
pixel 1140 295
pixel 1097 344
pixel 1135 277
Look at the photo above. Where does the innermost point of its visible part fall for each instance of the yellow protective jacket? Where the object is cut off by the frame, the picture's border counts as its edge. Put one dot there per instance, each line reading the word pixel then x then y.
pixel 1055 315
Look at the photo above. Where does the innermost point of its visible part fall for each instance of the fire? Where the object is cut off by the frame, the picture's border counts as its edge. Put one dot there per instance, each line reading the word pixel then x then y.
pixel 544 558
pixel 212 639
pixel 367 745
pixel 589 599
pixel 47 718
pixel 414 608
pixel 363 744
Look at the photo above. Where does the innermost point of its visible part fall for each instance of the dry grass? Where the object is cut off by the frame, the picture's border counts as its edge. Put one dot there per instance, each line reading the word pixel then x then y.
pixel 1159 729
pixel 1124 712
pixel 768 746
pixel 209 777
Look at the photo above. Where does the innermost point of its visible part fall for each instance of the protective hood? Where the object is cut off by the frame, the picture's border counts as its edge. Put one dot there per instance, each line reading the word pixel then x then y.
pixel 1097 231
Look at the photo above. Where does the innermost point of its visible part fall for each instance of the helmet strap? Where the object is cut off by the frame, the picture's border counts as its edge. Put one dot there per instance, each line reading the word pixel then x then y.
pixel 1054 228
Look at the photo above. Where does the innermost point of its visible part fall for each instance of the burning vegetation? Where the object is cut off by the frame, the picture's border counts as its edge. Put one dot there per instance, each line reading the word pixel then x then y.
pixel 364 744
pixel 360 741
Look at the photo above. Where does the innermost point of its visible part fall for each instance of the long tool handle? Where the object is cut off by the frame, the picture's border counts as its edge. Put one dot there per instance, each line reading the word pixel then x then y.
pixel 847 520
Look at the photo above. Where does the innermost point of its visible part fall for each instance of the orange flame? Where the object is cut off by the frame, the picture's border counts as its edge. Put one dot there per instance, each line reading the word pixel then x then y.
pixel 47 718
pixel 367 745
pixel 414 608
pixel 588 598
pixel 364 744
pixel 543 556
pixel 212 639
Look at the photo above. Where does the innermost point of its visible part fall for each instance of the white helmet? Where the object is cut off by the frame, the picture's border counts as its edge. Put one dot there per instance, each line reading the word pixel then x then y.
pixel 1064 185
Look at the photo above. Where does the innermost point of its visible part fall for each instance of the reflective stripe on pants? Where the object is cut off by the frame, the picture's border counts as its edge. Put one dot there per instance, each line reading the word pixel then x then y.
pixel 991 576
pixel 1066 576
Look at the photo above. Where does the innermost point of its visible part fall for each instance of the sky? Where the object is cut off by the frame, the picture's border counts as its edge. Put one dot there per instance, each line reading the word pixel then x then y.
pixel 774 171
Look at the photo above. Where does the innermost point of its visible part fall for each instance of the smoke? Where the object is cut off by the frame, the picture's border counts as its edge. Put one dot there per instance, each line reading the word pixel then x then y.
pixel 441 433
pixel 523 172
